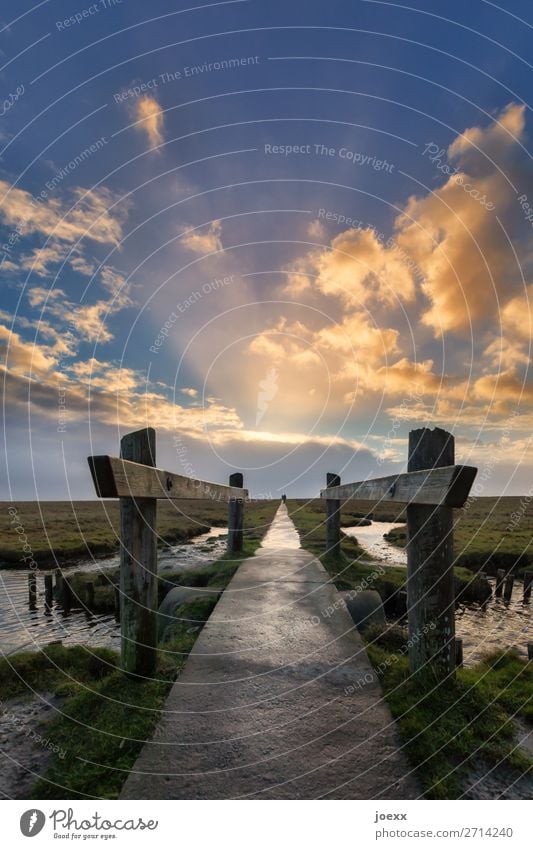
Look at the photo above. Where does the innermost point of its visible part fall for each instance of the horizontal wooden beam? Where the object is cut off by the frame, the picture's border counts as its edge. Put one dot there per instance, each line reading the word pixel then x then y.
pixel 117 478
pixel 447 485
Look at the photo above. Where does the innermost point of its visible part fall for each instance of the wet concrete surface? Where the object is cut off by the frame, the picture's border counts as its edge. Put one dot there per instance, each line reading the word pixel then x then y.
pixel 278 699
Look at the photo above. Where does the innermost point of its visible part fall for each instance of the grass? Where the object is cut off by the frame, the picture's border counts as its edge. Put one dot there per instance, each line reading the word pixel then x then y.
pixel 107 716
pixel 448 729
pixel 62 531
pixel 490 534
pixel 352 569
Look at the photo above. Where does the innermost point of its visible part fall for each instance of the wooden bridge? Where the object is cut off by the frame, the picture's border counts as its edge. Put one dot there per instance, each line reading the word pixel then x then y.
pixel 268 704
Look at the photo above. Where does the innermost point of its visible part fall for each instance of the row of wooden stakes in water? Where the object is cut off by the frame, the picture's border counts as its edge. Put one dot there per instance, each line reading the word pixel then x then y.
pixel 65 595
pixel 505 583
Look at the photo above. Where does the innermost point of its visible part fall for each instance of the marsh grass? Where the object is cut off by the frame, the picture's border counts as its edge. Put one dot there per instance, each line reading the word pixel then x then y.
pixel 450 728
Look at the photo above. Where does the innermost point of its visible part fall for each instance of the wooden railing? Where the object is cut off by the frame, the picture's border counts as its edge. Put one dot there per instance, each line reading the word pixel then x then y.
pixel 135 480
pixel 432 486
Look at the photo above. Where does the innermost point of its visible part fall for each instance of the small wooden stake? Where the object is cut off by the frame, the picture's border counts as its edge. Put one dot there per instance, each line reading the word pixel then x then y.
pixel 530 651
pixel 508 589
pixel 458 651
pixel 333 517
pixel 48 591
pixel 32 590
pixel 430 582
pixel 528 581
pixel 66 595
pixel 89 595
pixel 500 580
pixel 138 565
pixel 235 516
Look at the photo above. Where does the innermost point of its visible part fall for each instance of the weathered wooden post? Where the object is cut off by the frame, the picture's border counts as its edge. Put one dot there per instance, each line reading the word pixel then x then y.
pixel 458 651
pixel 89 595
pixel 333 517
pixel 59 584
pixel 48 592
pixel 138 565
pixel 32 590
pixel 500 580
pixel 530 651
pixel 66 595
pixel 236 515
pixel 528 581
pixel 508 588
pixel 430 581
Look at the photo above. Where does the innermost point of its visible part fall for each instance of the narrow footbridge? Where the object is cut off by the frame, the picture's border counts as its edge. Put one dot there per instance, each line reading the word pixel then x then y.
pixel 278 698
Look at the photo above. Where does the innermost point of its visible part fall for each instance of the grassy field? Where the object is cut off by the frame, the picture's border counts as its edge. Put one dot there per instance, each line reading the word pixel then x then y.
pixel 107 717
pixel 455 727
pixel 354 569
pixel 490 534
pixel 59 532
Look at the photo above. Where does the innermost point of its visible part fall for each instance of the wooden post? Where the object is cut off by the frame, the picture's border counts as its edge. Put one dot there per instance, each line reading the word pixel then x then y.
pixel 117 604
pixel 530 651
pixel 235 515
pixel 500 580
pixel 59 584
pixel 66 595
pixel 333 517
pixel 48 592
pixel 138 565
pixel 32 590
pixel 89 595
pixel 528 581
pixel 430 581
pixel 508 589
pixel 458 651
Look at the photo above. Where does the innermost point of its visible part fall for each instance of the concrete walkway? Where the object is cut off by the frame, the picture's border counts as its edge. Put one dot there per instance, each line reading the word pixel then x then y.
pixel 266 705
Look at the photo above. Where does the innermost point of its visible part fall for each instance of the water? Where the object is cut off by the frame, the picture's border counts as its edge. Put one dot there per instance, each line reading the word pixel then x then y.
pixel 25 629
pixel 371 539
pixel 483 628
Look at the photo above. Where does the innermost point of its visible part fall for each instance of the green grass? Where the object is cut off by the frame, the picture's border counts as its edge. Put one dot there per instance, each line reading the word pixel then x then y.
pixel 107 716
pixel 352 569
pixel 63 531
pixel 448 729
pixel 486 537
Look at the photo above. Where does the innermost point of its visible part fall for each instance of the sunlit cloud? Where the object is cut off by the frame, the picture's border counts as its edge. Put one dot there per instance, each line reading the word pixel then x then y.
pixel 150 119
pixel 204 241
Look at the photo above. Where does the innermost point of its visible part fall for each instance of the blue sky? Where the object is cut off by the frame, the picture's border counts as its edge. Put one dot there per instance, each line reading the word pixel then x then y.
pixel 284 234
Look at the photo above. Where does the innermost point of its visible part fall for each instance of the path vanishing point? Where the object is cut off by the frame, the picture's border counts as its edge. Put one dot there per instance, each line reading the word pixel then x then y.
pixel 265 707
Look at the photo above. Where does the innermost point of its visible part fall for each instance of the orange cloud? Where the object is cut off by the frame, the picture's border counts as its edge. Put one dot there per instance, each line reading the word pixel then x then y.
pixel 150 119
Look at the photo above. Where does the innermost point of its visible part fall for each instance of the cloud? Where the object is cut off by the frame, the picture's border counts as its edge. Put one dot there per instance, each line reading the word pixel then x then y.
pixel 206 241
pixel 89 321
pixel 85 213
pixel 150 119
pixel 359 268
pixel 471 262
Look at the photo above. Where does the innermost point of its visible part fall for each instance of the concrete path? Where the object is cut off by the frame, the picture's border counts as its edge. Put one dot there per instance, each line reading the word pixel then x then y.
pixel 278 699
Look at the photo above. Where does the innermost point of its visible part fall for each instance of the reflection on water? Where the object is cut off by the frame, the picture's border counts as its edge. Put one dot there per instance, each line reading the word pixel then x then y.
pixel 483 628
pixel 25 629
pixel 371 539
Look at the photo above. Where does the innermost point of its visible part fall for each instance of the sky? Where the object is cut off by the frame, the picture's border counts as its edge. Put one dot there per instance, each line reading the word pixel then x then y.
pixel 282 234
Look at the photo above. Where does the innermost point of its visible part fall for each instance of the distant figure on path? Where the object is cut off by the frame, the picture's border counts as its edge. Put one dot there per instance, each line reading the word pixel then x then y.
pixel 283 498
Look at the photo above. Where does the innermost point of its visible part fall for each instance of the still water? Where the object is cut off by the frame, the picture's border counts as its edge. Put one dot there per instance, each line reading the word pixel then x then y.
pixel 25 629
pixel 483 628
